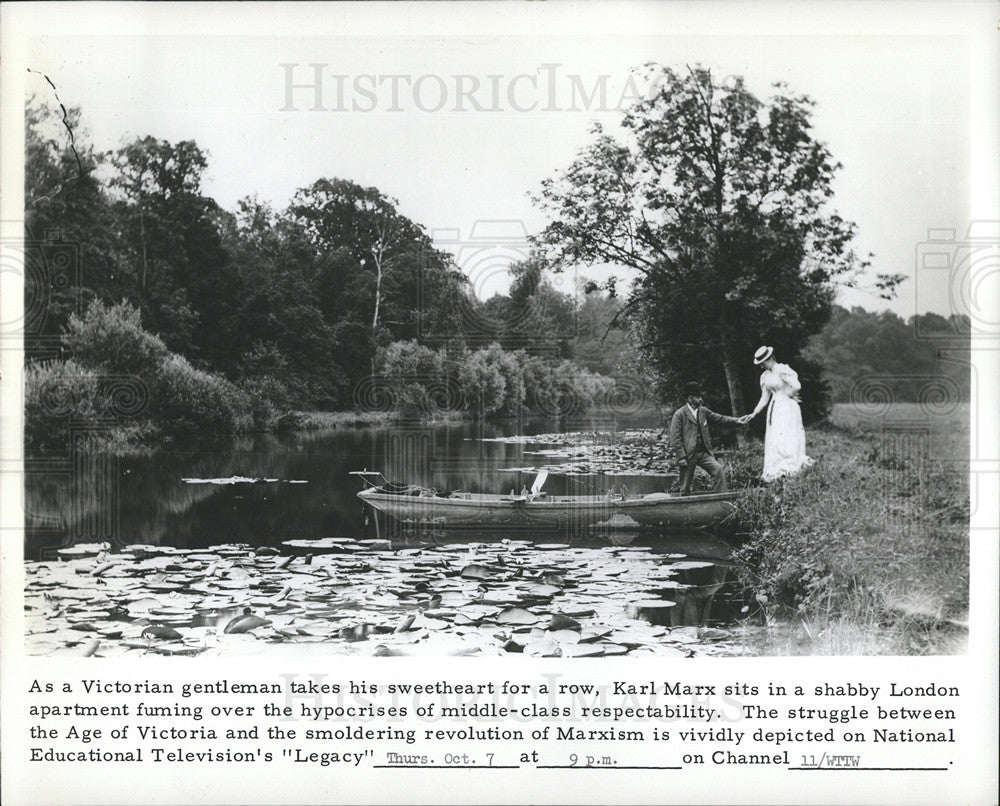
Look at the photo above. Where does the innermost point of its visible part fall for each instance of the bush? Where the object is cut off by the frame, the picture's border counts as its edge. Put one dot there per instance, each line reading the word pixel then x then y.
pixel 112 341
pixel 417 378
pixel 189 401
pixel 482 383
pixel 56 394
pixel 269 405
pixel 510 367
pixel 539 384
pixel 587 388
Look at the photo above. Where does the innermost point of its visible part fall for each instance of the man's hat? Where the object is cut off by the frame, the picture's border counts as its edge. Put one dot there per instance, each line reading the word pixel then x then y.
pixel 763 354
pixel 692 389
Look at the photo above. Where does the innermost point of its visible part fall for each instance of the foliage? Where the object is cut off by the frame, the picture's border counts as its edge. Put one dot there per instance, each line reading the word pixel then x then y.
pixel 903 358
pixel 814 548
pixel 489 382
pixel 482 382
pixel 112 340
pixel 189 401
pixel 508 366
pixel 378 277
pixel 415 373
pixel 720 202
pixel 55 394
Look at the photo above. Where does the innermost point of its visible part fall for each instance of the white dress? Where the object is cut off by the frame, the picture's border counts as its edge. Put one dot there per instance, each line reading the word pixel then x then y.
pixel 785 438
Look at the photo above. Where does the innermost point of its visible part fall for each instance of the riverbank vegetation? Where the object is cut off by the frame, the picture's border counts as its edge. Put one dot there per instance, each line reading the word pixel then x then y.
pixel 867 552
pixel 339 302
pixel 227 321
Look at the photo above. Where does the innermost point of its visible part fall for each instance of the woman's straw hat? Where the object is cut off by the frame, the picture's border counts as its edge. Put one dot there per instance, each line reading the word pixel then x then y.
pixel 763 354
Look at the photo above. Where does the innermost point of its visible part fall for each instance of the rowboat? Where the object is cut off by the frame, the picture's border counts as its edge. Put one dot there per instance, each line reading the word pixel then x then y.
pixel 413 504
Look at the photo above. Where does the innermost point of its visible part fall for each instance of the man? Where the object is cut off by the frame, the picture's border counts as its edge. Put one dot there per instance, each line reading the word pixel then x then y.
pixel 691 441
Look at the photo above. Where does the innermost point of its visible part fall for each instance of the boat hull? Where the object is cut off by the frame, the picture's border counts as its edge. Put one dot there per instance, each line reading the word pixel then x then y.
pixel 491 511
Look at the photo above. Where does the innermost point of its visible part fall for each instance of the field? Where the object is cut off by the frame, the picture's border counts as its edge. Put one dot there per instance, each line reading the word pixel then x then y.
pixel 867 552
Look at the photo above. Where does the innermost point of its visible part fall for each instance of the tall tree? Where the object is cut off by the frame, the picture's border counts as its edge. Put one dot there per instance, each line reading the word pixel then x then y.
pixel 65 205
pixel 379 278
pixel 720 201
pixel 170 230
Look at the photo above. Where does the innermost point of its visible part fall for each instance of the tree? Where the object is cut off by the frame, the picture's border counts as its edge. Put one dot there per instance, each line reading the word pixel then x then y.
pixel 276 328
pixel 534 315
pixel 65 204
pixel 720 202
pixel 880 354
pixel 379 278
pixel 179 269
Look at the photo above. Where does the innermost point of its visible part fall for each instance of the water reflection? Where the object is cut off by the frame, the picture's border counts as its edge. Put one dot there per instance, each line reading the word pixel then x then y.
pixel 145 500
pixel 626 577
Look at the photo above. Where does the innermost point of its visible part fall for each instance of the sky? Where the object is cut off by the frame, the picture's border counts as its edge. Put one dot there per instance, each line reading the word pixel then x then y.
pixel 893 108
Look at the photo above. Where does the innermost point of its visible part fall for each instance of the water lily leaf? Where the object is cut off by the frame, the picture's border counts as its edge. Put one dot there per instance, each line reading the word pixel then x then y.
pixel 561 622
pixel 88 648
pixel 545 648
pixel 245 623
pixel 475 571
pixel 164 586
pixel 162 633
pixel 83 550
pixel 539 589
pixel 651 609
pixel 565 636
pixel 582 650
pixel 517 615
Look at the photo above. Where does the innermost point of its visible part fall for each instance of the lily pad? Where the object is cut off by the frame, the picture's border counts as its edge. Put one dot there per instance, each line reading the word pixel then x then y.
pixel 517 615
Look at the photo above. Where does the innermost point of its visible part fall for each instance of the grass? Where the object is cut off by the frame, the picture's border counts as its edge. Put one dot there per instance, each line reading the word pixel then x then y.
pixel 866 552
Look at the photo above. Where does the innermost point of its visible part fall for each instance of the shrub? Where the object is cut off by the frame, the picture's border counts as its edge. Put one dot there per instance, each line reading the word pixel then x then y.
pixel 112 341
pixel 539 384
pixel 57 394
pixel 417 378
pixel 586 387
pixel 482 383
pixel 510 367
pixel 189 401
pixel 269 405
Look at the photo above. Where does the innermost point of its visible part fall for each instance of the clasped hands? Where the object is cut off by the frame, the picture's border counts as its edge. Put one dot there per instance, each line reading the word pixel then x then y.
pixel 745 419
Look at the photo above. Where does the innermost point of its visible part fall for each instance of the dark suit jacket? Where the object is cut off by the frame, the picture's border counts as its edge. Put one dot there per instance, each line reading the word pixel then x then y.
pixel 684 429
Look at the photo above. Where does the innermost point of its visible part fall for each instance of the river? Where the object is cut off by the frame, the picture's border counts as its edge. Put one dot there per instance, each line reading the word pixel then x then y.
pixel 212 522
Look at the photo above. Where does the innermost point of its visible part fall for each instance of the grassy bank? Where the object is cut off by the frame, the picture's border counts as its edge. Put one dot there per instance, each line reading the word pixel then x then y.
pixel 867 552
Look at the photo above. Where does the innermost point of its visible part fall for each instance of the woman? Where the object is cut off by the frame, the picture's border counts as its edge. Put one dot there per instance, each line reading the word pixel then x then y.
pixel 785 439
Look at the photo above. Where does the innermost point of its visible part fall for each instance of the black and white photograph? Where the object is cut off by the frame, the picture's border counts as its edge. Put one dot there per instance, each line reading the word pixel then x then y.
pixel 494 334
